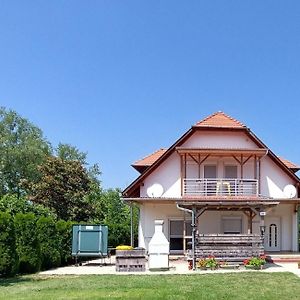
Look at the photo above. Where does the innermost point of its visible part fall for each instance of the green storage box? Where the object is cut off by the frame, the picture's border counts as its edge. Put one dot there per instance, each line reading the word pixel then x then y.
pixel 89 240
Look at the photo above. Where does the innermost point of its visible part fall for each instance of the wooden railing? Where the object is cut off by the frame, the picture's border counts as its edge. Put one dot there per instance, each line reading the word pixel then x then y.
pixel 220 187
pixel 234 247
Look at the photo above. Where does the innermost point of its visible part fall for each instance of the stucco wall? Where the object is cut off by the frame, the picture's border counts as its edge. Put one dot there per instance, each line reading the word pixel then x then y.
pixel 219 139
pixel 211 222
pixel 273 178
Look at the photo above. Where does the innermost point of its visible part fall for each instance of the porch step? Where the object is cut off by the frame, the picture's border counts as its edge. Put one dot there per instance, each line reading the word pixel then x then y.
pixel 282 258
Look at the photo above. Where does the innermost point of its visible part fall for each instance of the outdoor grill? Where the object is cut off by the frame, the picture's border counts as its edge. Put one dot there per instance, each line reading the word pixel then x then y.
pixel 159 249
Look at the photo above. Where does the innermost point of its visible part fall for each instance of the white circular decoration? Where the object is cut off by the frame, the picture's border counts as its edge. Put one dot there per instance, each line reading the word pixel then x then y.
pixel 155 190
pixel 289 191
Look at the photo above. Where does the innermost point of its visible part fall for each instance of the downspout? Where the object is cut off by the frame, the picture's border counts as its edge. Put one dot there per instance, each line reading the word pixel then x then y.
pixel 192 212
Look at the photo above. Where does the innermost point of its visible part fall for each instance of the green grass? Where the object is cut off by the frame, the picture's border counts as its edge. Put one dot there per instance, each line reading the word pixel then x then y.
pixel 248 285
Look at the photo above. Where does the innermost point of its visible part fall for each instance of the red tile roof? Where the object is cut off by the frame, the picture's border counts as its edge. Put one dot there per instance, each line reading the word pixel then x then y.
pixel 289 164
pixel 150 159
pixel 220 120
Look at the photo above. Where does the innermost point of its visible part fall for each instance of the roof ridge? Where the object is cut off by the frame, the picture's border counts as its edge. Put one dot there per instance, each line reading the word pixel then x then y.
pixel 213 118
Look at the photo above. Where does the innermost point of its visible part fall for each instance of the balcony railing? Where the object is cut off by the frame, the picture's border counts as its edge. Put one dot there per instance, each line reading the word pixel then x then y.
pixel 220 187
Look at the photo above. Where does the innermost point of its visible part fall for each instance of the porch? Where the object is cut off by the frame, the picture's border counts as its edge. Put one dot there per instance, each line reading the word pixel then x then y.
pixel 230 246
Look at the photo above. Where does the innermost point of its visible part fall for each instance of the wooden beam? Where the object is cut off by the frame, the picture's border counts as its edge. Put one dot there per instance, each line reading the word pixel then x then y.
pixel 193 158
pixel 185 165
pixel 236 159
pixel 181 174
pixel 199 170
pixel 255 167
pixel 242 166
pixel 259 177
pixel 244 162
pixel 204 159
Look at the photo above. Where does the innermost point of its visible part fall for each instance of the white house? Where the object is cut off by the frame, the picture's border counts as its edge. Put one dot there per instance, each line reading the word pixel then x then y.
pixel 224 174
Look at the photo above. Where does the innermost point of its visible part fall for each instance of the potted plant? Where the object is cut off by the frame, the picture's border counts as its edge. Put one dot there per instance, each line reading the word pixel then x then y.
pixel 255 263
pixel 201 264
pixel 211 262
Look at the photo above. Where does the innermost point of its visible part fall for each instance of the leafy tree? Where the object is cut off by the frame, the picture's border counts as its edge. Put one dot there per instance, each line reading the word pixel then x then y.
pixel 69 152
pixel 14 205
pixel 63 187
pixel 22 149
pixel 117 217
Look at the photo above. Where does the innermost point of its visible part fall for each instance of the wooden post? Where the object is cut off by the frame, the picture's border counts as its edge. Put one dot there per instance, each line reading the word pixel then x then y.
pixel 181 174
pixel 199 171
pixel 259 176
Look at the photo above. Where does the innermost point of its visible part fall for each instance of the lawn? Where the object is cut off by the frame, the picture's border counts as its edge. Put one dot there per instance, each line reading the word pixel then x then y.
pixel 247 285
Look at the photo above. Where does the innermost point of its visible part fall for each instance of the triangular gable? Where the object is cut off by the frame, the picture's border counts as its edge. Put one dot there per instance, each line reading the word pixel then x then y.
pixel 217 120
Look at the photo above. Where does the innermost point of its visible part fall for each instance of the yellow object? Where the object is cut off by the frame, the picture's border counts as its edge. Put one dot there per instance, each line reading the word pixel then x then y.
pixel 124 247
pixel 223 183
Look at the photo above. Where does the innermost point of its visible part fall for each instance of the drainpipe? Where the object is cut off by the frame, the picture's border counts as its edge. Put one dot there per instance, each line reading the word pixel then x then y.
pixel 193 213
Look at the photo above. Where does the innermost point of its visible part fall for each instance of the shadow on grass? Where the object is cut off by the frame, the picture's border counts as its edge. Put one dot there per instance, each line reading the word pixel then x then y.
pixel 14 280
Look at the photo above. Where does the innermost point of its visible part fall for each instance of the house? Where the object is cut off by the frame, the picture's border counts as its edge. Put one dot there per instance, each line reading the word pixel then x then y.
pixel 218 178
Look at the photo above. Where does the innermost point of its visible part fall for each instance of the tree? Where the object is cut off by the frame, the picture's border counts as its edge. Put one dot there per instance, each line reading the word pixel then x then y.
pixel 117 217
pixel 69 152
pixel 63 187
pixel 22 149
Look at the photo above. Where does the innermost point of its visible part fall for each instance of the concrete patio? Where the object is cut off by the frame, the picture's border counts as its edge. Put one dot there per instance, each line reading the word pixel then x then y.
pixel 177 266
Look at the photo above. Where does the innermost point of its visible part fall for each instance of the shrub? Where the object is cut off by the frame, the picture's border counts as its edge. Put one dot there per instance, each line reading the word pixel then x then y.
pixel 49 242
pixel 27 243
pixel 8 253
pixel 64 231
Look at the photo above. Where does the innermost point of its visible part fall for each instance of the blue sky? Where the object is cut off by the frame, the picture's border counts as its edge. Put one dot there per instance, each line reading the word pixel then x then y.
pixel 120 79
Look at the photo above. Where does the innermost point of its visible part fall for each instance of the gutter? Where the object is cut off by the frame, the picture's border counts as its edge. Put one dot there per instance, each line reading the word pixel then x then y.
pixel 193 213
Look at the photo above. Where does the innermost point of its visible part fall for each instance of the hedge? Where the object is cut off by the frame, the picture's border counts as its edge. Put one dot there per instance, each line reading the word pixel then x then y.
pixel 64 231
pixel 27 243
pixel 49 242
pixel 8 253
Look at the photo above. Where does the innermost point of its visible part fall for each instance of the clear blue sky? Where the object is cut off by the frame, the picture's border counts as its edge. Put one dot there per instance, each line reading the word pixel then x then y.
pixel 120 79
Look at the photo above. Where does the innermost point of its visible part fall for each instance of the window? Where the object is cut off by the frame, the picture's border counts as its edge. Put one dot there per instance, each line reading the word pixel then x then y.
pixel 230 172
pixel 232 225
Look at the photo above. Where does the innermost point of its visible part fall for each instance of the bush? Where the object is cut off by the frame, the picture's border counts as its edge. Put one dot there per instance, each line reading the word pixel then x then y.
pixel 8 253
pixel 64 231
pixel 49 242
pixel 27 243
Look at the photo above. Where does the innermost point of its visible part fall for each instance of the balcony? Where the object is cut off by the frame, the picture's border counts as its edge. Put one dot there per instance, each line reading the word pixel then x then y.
pixel 220 187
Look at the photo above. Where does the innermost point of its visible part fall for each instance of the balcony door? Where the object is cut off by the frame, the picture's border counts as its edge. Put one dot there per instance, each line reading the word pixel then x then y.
pixel 210 174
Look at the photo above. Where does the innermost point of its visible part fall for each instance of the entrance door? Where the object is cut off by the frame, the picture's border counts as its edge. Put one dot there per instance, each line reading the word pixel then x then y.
pixel 272 234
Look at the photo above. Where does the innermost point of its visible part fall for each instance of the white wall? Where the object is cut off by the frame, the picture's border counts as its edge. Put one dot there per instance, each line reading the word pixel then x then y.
pixel 219 139
pixel 273 179
pixel 211 222
pixel 167 175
